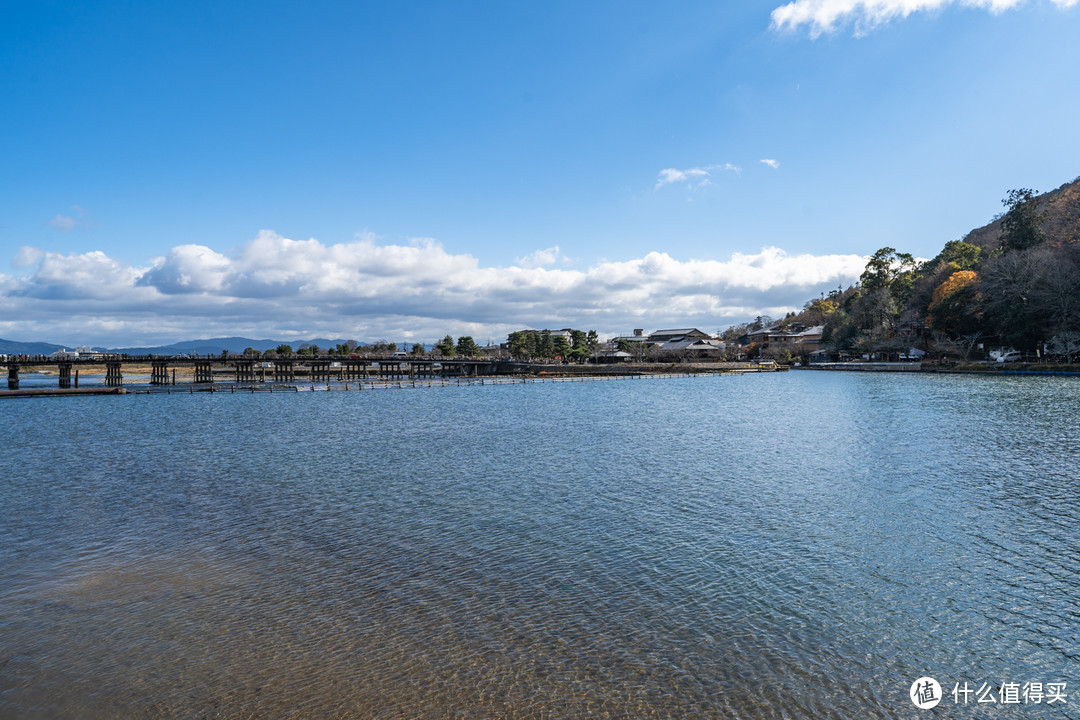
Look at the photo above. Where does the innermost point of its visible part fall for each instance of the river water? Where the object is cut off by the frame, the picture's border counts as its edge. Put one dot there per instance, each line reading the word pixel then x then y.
pixel 791 545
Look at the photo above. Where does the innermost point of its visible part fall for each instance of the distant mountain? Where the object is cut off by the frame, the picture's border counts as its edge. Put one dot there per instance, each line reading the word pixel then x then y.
pixel 12 347
pixel 210 346
pixel 1061 219
pixel 215 346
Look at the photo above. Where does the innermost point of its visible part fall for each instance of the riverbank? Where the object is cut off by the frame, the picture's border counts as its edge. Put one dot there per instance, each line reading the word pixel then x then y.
pixel 642 369
pixel 950 368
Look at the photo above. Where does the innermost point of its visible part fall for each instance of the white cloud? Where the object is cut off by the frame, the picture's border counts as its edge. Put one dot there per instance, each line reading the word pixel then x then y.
pixel 277 287
pixel 26 256
pixel 67 223
pixel 694 177
pixel 187 269
pixel 822 16
pixel 91 275
pixel 774 164
pixel 63 223
pixel 540 258
pixel 671 175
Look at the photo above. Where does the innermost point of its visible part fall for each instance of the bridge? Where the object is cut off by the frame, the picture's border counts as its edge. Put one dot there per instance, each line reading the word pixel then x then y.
pixel 247 370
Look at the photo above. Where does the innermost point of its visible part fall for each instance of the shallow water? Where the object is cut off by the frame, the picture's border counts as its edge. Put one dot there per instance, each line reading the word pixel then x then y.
pixel 776 546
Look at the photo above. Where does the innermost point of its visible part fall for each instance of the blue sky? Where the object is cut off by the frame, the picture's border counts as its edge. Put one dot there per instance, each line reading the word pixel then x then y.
pixel 403 171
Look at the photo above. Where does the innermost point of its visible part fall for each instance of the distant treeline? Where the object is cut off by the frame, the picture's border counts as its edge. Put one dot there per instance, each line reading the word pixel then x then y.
pixel 571 345
pixel 350 347
pixel 545 344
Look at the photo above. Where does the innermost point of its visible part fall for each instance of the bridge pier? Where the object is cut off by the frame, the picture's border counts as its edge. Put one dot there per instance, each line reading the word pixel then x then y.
pixel 65 374
pixel 283 371
pixel 355 369
pixel 245 371
pixel 113 376
pixel 13 377
pixel 204 372
pixel 320 370
pixel 159 373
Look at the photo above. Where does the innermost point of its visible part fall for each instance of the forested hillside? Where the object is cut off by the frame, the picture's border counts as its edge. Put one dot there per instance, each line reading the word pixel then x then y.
pixel 1014 282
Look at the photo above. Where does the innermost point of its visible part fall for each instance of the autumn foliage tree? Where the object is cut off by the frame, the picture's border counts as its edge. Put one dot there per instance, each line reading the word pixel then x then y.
pixel 954 307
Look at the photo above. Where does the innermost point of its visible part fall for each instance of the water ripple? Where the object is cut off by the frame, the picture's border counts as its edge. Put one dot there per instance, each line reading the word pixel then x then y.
pixel 791 546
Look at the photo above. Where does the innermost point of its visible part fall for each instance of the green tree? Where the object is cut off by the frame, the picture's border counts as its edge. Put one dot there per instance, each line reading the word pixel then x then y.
pixel 560 348
pixel 886 284
pixel 958 255
pixel 547 345
pixel 446 347
pixel 889 270
pixel 418 350
pixel 251 352
pixel 1021 228
pixel 524 344
pixel 285 350
pixel 466 347
pixel 579 345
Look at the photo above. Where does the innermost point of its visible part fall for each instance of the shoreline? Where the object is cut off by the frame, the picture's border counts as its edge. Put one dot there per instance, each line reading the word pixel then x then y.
pixel 957 369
